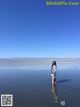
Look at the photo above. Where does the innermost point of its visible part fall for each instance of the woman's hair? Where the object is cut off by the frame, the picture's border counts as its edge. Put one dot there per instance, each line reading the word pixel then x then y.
pixel 54 63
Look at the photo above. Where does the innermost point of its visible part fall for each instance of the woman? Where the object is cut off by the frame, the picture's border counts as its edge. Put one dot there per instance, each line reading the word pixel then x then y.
pixel 53 72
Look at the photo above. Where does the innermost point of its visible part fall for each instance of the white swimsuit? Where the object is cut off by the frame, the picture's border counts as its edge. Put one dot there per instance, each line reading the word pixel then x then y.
pixel 53 69
pixel 53 72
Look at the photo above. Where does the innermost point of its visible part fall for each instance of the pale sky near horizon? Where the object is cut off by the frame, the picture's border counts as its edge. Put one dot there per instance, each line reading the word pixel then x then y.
pixel 29 28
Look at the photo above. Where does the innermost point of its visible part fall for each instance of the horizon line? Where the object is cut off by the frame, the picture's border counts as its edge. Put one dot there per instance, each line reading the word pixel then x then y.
pixel 38 57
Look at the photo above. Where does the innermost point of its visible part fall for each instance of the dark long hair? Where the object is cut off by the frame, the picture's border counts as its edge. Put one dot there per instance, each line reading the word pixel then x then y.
pixel 54 63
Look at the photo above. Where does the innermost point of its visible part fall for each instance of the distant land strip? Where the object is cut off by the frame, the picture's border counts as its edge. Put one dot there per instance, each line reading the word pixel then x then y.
pixel 28 61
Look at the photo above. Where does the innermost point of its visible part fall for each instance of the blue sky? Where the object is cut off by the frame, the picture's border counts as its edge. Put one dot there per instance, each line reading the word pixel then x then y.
pixel 29 28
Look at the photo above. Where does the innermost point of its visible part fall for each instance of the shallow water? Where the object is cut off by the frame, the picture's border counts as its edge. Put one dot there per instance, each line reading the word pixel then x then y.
pixel 33 88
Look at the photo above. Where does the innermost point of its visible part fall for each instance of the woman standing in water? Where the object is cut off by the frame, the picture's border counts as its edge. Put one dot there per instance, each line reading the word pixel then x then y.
pixel 53 72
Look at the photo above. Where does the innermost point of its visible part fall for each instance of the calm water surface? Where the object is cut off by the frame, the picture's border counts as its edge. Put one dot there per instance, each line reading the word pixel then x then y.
pixel 31 86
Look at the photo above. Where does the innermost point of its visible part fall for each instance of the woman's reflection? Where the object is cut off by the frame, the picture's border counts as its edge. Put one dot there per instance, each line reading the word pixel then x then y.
pixel 55 94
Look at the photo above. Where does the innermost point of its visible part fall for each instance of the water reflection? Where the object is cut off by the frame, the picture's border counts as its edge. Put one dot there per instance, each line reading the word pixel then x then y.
pixel 56 98
pixel 55 94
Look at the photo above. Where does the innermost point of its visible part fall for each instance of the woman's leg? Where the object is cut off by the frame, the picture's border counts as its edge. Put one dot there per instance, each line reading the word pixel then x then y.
pixel 55 77
pixel 53 80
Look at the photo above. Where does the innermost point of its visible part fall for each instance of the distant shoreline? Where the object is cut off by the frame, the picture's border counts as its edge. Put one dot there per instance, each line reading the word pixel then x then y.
pixel 34 61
